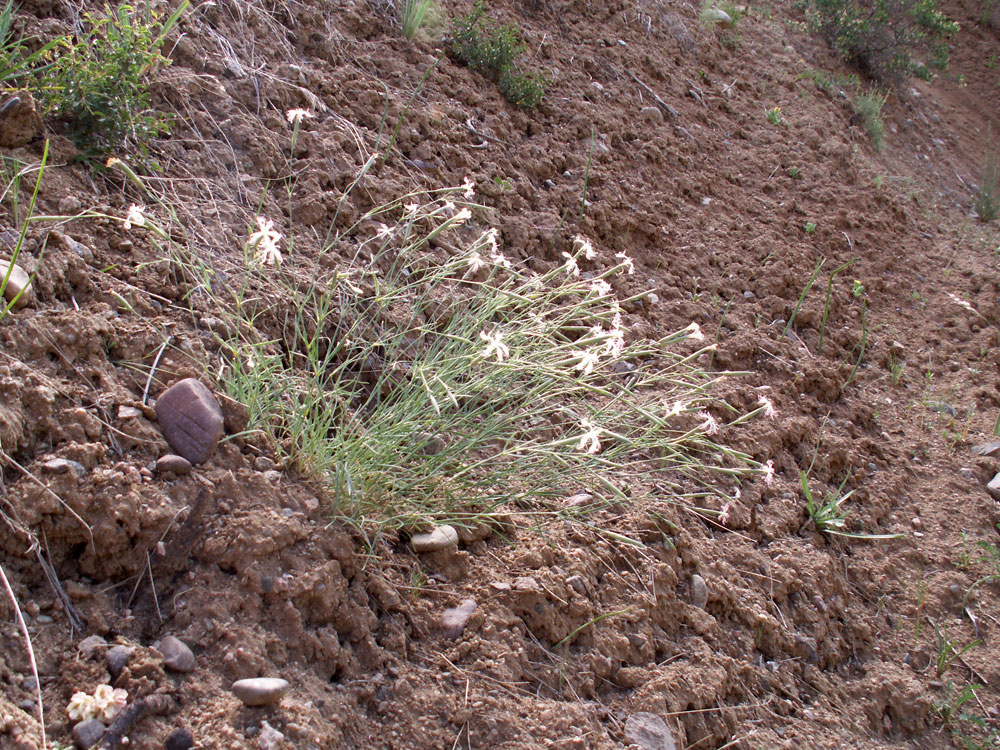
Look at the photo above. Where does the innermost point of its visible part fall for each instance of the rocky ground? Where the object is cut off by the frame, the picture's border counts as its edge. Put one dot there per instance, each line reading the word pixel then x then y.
pixel 741 626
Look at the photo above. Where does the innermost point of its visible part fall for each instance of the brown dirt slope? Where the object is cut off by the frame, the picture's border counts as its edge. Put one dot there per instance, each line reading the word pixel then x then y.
pixel 802 641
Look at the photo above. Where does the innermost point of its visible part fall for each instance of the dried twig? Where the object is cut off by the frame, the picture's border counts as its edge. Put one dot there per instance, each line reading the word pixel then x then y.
pixel 158 703
pixel 31 652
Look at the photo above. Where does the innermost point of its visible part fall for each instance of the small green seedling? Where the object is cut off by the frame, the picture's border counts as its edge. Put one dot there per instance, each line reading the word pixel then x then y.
pixel 830 517
pixel 857 289
pixel 774 116
pixel 810 227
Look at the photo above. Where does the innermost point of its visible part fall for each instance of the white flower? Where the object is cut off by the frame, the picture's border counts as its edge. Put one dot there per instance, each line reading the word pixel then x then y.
pixel 571 267
pixel 462 216
pixel 588 359
pixel 490 238
pixel 626 261
pixel 600 287
pixel 81 706
pixel 295 116
pixel 769 410
pixel 265 242
pixel 500 259
pixel 584 244
pixel 494 346
pixel 710 426
pixel 590 440
pixel 468 188
pixel 475 262
pixel 724 513
pixel 411 208
pixel 694 331
pixel 616 342
pixel 961 302
pixel 382 230
pixel 676 409
pixel 768 470
pixel 134 217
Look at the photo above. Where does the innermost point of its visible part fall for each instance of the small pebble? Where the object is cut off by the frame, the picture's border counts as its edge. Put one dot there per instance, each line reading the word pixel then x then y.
pixel 651 115
pixel 260 691
pixel 19 282
pixel 173 464
pixel 699 591
pixel 62 466
pixel 649 732
pixel 441 537
pixel 994 487
pixel 577 584
pixel 28 706
pixel 116 660
pixel 179 739
pixel 176 654
pixel 87 733
pixel 915 521
pixel 90 645
pixel 454 619
pixel 44 620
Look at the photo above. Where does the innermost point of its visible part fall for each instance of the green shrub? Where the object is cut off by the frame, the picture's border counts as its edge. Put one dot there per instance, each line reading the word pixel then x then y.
pixel 868 108
pixel 16 62
pixel 492 49
pixel 987 203
pixel 96 85
pixel 883 36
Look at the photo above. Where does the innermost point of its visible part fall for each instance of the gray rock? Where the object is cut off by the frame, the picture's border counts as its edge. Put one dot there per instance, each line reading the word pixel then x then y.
pixel 260 691
pixel 87 733
pixel 90 646
pixel 986 449
pixel 28 706
pixel 717 16
pixel 171 463
pixel 179 739
pixel 649 732
pixel 441 537
pixel 967 473
pixel 116 659
pixel 454 619
pixel 805 646
pixel 176 654
pixel 994 487
pixel 63 465
pixel 651 115
pixel 699 591
pixel 577 584
pixel 30 683
pixel 69 204
pixel 428 444
pixel 18 283
pixel 191 419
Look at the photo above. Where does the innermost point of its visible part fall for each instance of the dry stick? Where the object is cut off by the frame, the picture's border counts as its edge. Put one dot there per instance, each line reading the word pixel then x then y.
pixel 158 703
pixel 670 110
pixel 149 380
pixel 75 621
pixel 31 653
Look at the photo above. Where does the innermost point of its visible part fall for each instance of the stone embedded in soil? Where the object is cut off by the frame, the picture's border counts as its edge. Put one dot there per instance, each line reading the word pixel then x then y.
pixel 986 449
pixel 90 646
pixel 18 282
pixel 577 584
pixel 428 444
pixel 179 739
pixel 649 732
pixel 171 463
pixel 441 537
pixel 699 591
pixel 719 17
pixel 994 487
pixel 88 733
pixel 63 465
pixel 191 419
pixel 116 660
pixel 454 619
pixel 651 115
pixel 260 691
pixel 177 656
pixel 20 120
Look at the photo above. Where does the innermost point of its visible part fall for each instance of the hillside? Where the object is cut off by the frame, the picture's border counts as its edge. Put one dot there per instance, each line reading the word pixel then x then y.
pixel 705 174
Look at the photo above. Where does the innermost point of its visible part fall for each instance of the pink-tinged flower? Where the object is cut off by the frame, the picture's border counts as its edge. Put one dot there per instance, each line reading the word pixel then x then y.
pixel 768 470
pixel 710 425
pixel 135 217
pixel 626 262
pixel 590 441
pixel 265 242
pixel 295 116
pixel 571 267
pixel 769 410
pixel 584 245
pixel 724 514
pixel 494 346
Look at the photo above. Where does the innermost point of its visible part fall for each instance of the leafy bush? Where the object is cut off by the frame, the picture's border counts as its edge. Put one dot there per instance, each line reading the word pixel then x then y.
pixel 492 49
pixel 987 203
pixel 868 108
pixel 96 83
pixel 883 36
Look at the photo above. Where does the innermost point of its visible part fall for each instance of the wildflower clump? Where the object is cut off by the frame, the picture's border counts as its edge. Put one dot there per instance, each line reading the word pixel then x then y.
pixel 104 704
pixel 533 375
